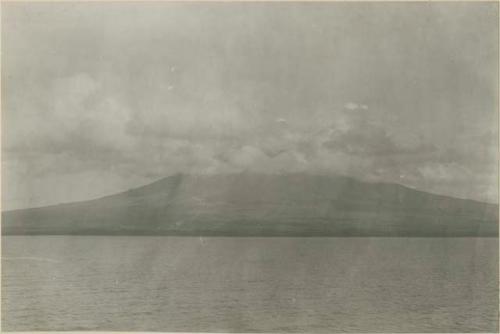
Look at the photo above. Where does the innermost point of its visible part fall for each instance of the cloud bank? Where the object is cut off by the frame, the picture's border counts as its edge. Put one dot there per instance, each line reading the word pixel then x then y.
pixel 93 106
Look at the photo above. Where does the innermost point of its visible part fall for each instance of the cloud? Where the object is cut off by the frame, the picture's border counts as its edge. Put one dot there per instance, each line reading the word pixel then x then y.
pixel 351 106
pixel 192 90
pixel 358 135
pixel 192 122
pixel 80 116
pixel 355 106
pixel 98 131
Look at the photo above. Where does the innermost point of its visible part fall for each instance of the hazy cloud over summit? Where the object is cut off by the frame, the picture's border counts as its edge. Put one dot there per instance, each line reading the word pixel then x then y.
pixel 101 97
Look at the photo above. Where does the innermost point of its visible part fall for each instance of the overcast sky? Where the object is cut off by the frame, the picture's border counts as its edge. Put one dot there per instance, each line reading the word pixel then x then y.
pixel 102 97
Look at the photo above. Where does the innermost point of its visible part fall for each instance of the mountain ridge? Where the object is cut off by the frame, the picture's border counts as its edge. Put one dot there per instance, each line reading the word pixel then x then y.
pixel 246 173
pixel 247 204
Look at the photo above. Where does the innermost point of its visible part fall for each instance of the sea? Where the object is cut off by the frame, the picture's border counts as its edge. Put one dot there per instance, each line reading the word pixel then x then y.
pixel 211 284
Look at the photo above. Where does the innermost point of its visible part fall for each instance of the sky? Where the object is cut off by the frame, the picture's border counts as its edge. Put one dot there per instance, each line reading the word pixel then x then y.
pixel 99 98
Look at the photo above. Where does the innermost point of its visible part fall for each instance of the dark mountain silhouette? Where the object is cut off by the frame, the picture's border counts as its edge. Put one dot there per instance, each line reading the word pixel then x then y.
pixel 262 205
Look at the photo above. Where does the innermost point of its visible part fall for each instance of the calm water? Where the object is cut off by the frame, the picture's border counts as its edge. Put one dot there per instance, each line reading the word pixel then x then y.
pixel 250 284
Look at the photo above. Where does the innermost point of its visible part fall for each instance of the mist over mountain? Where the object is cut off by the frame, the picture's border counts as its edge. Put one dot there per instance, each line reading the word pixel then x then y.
pixel 248 204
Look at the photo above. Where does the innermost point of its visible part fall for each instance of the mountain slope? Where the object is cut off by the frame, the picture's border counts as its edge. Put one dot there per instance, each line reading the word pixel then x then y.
pixel 262 205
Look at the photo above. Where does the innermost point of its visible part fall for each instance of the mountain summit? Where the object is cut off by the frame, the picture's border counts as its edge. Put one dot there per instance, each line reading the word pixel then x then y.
pixel 262 205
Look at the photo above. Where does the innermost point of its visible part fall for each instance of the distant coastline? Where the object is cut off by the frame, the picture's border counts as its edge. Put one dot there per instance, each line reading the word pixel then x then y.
pixel 262 205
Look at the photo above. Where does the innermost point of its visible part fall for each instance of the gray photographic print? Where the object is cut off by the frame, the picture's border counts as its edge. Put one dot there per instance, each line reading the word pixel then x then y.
pixel 250 167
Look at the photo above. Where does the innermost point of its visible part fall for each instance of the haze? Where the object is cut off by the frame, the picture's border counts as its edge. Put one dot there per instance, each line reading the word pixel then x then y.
pixel 102 97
